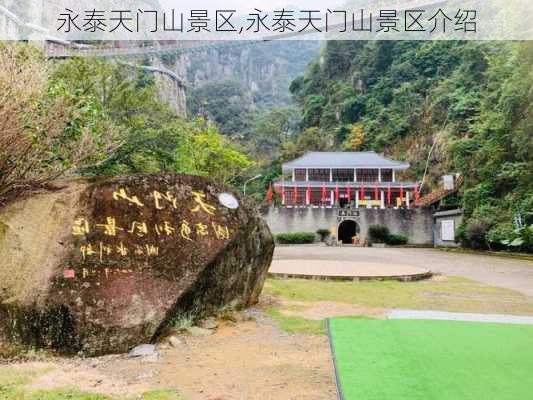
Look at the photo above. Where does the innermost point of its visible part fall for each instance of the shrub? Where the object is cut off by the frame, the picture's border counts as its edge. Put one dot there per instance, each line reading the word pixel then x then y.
pixel 475 235
pixel 323 233
pixel 46 129
pixel 378 233
pixel 500 235
pixel 460 234
pixel 521 239
pixel 295 237
pixel 395 239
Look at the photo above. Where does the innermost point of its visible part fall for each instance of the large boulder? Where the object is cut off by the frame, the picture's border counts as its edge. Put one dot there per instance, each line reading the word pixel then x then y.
pixel 100 265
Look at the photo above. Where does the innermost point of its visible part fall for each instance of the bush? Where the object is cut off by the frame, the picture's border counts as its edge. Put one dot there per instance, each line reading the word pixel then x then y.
pixel 500 234
pixel 323 233
pixel 378 233
pixel 460 234
pixel 475 234
pixel 295 237
pixel 46 129
pixel 520 239
pixel 395 239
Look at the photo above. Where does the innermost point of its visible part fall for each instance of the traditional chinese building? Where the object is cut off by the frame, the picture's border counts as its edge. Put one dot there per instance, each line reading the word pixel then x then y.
pixel 345 179
pixel 346 193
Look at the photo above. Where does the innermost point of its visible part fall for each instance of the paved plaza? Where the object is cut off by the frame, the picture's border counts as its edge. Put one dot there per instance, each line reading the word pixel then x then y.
pixel 501 272
pixel 334 269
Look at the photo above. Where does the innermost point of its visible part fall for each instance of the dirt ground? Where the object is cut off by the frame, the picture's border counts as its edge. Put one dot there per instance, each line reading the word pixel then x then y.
pixel 319 310
pixel 254 359
pixel 245 360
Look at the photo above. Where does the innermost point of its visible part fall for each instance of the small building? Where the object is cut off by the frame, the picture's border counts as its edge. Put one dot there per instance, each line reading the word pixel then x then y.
pixel 347 192
pixel 345 179
pixel 445 225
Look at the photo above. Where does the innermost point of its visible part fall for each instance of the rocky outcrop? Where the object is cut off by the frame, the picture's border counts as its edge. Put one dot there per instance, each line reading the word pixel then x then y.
pixel 101 265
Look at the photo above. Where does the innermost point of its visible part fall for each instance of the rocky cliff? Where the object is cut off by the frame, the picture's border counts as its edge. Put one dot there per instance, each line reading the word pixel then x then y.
pixel 262 70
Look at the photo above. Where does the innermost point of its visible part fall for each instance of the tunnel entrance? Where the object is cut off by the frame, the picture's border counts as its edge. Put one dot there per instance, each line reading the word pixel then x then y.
pixel 347 230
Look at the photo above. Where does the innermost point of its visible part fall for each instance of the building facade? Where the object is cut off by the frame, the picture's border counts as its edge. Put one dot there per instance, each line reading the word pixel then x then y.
pixel 345 180
pixel 347 192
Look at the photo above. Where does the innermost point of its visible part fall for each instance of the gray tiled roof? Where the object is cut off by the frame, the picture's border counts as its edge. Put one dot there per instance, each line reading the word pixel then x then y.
pixel 359 159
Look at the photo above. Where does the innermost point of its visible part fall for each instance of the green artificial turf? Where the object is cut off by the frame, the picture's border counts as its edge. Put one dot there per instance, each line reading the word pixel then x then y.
pixel 432 360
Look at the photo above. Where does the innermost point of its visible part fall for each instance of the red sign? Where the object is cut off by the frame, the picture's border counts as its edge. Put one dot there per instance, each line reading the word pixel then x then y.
pixel 69 274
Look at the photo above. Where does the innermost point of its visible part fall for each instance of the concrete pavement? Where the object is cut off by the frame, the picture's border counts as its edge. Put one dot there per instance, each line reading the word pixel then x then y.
pixel 501 272
pixel 347 270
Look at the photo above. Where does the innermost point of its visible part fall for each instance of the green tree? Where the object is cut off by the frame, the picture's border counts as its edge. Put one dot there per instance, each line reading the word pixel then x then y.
pixel 204 151
pixel 469 101
pixel 47 130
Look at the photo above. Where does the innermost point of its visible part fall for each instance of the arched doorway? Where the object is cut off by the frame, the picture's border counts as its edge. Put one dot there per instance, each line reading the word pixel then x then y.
pixel 347 230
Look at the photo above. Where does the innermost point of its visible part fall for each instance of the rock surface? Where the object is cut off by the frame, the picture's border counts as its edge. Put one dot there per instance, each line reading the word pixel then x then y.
pixel 102 265
pixel 175 341
pixel 142 350
pixel 209 323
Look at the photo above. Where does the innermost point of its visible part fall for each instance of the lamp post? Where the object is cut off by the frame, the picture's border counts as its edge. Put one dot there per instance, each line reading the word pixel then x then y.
pixel 248 181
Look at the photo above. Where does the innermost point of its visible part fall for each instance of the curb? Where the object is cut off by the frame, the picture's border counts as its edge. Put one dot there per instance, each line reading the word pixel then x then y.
pixel 340 395
pixel 400 278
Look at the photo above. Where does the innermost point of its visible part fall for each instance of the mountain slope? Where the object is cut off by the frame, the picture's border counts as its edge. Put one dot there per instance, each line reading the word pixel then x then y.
pixel 460 106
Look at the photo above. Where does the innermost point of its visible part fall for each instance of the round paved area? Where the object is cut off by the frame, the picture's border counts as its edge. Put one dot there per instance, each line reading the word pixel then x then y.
pixel 347 270
pixel 501 272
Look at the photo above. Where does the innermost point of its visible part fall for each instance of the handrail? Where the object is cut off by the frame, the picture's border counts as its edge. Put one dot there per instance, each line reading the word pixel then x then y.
pixel 172 75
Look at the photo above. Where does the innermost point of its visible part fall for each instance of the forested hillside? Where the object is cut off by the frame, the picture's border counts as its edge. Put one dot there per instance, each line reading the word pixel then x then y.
pixel 468 106
pixel 457 107
pixel 91 117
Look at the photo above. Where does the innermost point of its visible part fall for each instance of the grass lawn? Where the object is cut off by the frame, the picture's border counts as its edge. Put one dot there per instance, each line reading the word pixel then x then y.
pixel 297 324
pixel 437 360
pixel 443 294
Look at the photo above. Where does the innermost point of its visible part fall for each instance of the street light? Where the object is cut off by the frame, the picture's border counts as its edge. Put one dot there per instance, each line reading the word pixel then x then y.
pixel 248 181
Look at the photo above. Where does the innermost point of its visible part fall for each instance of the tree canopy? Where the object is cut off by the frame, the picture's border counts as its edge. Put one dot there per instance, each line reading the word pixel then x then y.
pixel 91 117
pixel 472 101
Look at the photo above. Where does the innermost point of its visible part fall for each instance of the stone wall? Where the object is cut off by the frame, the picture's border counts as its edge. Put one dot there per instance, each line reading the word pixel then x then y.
pixel 416 224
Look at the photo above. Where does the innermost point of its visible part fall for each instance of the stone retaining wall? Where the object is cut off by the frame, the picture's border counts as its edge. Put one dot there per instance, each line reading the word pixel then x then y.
pixel 416 224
